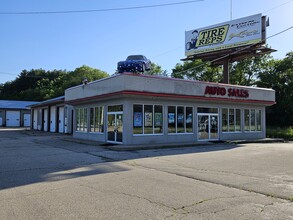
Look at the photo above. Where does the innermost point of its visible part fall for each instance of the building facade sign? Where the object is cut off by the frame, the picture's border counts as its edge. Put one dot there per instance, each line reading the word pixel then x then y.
pixel 230 92
pixel 235 33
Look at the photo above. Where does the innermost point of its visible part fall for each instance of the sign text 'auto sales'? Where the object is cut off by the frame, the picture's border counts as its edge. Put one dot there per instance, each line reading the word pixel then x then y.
pixel 222 91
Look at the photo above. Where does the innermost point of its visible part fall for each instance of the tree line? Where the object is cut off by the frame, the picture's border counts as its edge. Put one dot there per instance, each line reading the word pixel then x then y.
pixel 264 71
pixel 40 85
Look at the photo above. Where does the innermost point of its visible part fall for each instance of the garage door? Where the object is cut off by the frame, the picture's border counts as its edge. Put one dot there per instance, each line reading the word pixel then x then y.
pixel 45 122
pixel 61 120
pixel 35 119
pixel 53 119
pixel 27 120
pixel 13 118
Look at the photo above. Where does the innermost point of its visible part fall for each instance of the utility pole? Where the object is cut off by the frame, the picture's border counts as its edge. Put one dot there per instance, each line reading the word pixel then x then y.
pixel 230 10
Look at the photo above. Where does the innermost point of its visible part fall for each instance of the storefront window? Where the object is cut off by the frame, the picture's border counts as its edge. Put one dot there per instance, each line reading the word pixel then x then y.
pixel 97 119
pixel 137 119
pixel 77 119
pixel 85 120
pixel 96 116
pixel 92 119
pixel 247 119
pixel 81 119
pixel 258 120
pixel 189 120
pixel 224 120
pixel 171 119
pixel 231 120
pixel 238 120
pixel 158 125
pixel 81 113
pixel 147 119
pixel 180 119
pixel 99 126
pixel 252 120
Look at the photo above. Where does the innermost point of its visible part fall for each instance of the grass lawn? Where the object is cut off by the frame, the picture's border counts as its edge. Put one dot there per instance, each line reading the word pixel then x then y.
pixel 280 132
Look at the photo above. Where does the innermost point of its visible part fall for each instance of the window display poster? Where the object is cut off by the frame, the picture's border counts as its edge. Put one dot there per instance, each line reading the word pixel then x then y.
pixel 158 119
pixel 171 118
pixel 148 119
pixel 180 118
pixel 137 119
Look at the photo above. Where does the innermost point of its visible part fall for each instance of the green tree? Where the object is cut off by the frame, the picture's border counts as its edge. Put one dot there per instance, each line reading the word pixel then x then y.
pixel 77 76
pixel 246 72
pixel 157 70
pixel 279 76
pixel 24 87
pixel 39 85
pixel 197 70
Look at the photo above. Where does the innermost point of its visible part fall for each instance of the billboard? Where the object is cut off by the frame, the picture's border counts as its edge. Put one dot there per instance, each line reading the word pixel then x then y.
pixel 230 34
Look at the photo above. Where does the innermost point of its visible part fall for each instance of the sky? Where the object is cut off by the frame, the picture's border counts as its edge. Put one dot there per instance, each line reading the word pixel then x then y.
pixel 65 41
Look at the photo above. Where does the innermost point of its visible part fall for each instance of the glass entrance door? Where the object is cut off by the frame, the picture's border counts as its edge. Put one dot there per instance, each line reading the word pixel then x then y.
pixel 208 127
pixel 115 127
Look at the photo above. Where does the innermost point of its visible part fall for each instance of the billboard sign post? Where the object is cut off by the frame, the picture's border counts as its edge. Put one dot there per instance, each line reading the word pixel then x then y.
pixel 228 42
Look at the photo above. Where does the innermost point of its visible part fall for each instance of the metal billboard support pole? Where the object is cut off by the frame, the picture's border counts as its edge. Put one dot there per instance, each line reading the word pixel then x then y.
pixel 226 71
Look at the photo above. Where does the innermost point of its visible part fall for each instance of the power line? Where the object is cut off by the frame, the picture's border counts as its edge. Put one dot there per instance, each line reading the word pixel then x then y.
pixel 279 32
pixel 169 51
pixel 277 6
pixel 230 19
pixel 98 10
pixel 8 73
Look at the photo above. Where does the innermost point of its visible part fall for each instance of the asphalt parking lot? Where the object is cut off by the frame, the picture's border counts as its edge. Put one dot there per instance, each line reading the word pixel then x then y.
pixel 50 176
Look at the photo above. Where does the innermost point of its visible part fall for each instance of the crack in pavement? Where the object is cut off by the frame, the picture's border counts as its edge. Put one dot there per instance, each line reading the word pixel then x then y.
pixel 128 194
pixel 211 181
pixel 177 211
pixel 215 171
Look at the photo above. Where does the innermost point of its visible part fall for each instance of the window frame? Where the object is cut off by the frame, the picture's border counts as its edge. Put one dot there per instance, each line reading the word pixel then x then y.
pixel 230 130
pixel 81 114
pixel 176 118
pixel 97 114
pixel 257 123
pixel 152 119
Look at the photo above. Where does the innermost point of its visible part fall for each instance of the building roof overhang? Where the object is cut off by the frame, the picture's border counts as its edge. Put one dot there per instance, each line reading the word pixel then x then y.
pixel 49 102
pixel 129 94
pixel 129 84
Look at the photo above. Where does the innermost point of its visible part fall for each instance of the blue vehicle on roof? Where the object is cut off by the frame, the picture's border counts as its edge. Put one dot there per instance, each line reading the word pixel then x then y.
pixel 134 63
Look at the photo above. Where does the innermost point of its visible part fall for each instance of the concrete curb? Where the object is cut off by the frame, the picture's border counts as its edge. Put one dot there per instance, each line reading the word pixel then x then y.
pixel 197 144
pixel 265 140
pixel 155 146
pixel 121 147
